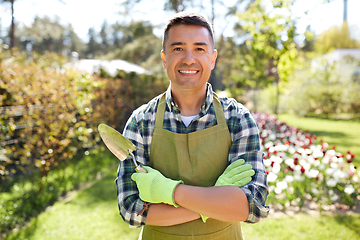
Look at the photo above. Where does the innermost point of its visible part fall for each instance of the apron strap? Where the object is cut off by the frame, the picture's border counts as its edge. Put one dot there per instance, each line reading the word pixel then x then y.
pixel 160 112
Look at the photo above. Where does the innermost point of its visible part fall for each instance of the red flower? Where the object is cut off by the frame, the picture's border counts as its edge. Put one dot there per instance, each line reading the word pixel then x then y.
pixel 296 161
pixel 302 169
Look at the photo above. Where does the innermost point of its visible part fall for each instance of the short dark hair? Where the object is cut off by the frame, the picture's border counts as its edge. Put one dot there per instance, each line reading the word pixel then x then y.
pixel 192 19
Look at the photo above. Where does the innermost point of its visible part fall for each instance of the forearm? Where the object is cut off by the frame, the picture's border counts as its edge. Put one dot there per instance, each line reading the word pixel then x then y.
pixel 225 203
pixel 167 215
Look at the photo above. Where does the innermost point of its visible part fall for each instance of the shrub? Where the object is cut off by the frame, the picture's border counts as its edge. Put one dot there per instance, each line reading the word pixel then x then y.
pixel 326 88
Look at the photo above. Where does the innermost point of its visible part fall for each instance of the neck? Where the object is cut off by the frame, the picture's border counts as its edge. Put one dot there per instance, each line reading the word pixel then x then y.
pixel 189 102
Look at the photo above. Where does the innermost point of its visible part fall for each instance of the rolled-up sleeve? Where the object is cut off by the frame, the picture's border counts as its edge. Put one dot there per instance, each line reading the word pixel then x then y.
pixel 246 145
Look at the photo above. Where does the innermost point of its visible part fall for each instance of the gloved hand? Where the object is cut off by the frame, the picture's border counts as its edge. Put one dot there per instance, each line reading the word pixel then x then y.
pixel 237 174
pixel 154 187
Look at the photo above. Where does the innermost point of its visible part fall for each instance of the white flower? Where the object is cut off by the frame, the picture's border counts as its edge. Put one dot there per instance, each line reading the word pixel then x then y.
pixel 272 136
pixel 331 182
pixel 289 162
pixel 330 171
pixel 267 162
pixel 271 177
pixel 291 150
pixel 349 189
pixel 315 191
pixel 321 167
pixel 277 190
pixel 289 178
pixel 276 168
pixel 311 160
pixel 317 163
pixel 313 173
pixel 334 165
pixel 331 152
pixel 269 144
pixel 299 178
pixel 334 198
pixel 317 153
pixel 339 175
pixel 282 185
pixel 352 168
pixel 271 188
pixel 325 160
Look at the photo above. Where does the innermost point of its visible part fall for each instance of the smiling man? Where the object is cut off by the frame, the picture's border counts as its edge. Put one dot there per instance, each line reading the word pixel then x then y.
pixel 205 172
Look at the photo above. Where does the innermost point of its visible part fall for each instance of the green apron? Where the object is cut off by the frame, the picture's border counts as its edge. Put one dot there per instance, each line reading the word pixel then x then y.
pixel 197 158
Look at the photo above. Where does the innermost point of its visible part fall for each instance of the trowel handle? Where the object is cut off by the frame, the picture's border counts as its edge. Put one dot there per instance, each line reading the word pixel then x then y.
pixel 140 169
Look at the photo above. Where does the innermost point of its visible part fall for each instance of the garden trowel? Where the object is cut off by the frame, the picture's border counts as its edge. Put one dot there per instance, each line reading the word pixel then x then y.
pixel 119 145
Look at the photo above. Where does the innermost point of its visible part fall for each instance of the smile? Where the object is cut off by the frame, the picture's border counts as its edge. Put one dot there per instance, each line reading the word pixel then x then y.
pixel 187 72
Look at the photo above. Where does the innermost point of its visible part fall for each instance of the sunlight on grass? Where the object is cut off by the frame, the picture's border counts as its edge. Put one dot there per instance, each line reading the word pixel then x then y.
pixel 303 227
pixel 344 134
pixel 91 213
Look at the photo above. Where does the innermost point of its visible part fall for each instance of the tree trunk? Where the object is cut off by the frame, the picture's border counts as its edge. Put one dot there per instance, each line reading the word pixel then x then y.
pixel 277 97
pixel 12 29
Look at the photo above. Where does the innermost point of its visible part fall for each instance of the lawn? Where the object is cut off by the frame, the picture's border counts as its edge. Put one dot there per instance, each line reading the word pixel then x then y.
pixel 344 134
pixel 92 213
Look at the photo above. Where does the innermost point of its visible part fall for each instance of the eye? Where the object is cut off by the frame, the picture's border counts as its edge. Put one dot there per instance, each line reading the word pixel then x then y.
pixel 200 49
pixel 177 49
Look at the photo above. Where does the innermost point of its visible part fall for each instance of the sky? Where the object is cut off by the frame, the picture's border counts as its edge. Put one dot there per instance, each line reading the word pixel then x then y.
pixel 84 14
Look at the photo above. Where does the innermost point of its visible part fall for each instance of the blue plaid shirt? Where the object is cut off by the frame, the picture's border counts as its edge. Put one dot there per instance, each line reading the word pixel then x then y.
pixel 245 144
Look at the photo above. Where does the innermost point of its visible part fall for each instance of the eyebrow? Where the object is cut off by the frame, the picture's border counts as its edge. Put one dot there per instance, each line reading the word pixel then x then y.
pixel 182 43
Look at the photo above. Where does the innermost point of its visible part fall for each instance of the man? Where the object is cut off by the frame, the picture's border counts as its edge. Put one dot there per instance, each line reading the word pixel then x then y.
pixel 191 144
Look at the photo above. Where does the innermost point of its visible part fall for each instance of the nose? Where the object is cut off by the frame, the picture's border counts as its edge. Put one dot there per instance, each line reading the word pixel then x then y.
pixel 188 57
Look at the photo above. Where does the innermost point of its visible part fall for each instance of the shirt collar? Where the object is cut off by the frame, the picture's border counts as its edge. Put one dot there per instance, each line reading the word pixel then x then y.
pixel 204 107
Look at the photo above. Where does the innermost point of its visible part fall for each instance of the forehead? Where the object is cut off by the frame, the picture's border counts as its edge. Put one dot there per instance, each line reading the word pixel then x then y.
pixel 188 34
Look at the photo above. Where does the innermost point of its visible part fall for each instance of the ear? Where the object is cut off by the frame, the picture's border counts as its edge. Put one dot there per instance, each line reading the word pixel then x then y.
pixel 214 56
pixel 163 58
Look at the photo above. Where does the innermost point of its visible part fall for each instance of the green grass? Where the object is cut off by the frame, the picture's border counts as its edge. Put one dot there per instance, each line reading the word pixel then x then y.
pixel 92 213
pixel 303 227
pixel 344 134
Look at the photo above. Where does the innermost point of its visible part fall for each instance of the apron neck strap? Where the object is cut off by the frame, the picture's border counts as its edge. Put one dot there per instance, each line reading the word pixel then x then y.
pixel 160 112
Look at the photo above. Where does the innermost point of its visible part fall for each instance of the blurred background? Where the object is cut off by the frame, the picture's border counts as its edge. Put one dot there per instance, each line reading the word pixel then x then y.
pixel 68 65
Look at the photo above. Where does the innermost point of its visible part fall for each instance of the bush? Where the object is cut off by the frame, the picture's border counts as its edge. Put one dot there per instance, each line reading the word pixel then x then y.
pixel 326 89
pixel 45 117
pixel 48 116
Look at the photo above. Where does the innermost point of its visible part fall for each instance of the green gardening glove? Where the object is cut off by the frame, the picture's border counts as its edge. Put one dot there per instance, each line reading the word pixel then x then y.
pixel 154 187
pixel 237 174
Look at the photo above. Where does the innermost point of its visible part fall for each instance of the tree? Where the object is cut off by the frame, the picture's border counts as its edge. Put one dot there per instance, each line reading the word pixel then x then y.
pixel 93 46
pixel 336 37
pixel 104 37
pixel 46 34
pixel 270 50
pixel 12 27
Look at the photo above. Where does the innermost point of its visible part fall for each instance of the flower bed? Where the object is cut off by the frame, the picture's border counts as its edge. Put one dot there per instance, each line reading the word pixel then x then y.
pixel 299 166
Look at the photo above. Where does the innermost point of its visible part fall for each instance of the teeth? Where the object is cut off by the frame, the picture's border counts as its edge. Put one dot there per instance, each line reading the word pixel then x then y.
pixel 187 72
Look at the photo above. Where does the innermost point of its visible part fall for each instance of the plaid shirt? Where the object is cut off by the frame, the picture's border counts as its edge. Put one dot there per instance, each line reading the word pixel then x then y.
pixel 245 144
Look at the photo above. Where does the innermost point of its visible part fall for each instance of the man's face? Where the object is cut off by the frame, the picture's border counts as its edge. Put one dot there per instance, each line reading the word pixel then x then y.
pixel 188 56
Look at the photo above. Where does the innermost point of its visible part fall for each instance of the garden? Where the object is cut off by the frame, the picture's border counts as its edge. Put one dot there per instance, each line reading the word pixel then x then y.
pixel 56 182
pixel 57 176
